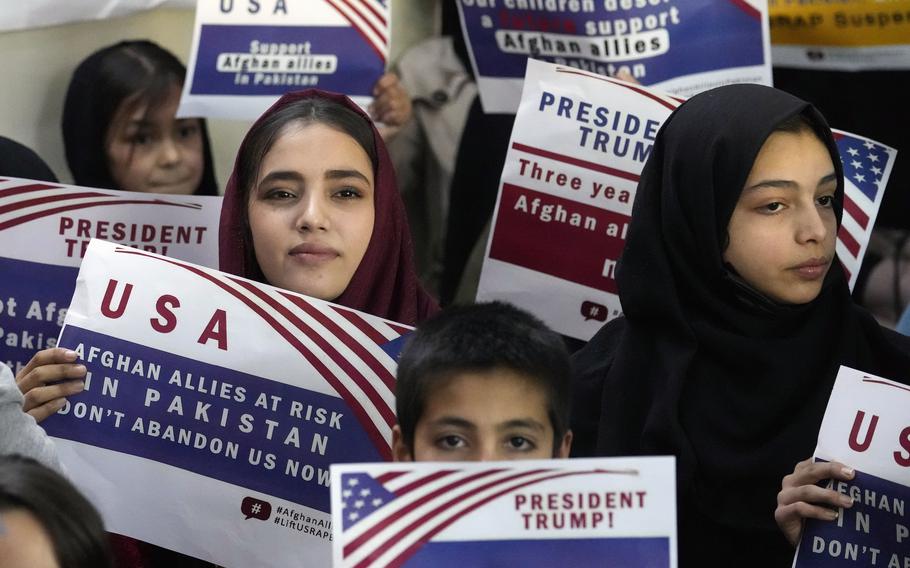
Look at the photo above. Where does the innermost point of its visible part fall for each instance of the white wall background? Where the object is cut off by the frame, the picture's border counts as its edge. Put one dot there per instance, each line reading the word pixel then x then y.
pixel 36 64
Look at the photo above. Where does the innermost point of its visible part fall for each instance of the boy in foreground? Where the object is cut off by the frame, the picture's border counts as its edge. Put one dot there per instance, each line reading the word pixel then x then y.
pixel 482 382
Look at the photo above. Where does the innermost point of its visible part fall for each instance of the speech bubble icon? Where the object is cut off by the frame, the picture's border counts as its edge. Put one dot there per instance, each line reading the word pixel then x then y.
pixel 256 509
pixel 594 311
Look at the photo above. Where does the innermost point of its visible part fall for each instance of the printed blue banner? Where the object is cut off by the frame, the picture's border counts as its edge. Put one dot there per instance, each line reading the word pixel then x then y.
pixel 245 56
pixel 215 405
pixel 679 46
pixel 45 229
pixel 641 552
pixel 533 513
pixel 875 531
pixel 208 419
pixel 33 306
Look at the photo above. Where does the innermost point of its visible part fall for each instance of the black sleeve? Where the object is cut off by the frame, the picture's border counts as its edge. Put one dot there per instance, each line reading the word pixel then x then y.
pixel 896 365
pixel 589 370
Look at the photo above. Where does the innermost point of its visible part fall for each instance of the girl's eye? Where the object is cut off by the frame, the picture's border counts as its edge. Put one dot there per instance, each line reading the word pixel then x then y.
pixel 771 207
pixel 188 131
pixel 825 200
pixel 451 442
pixel 278 194
pixel 521 443
pixel 141 139
pixel 347 193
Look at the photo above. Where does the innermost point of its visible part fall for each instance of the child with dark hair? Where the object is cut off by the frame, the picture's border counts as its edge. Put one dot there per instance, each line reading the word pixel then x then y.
pixel 482 382
pixel 120 129
pixel 45 522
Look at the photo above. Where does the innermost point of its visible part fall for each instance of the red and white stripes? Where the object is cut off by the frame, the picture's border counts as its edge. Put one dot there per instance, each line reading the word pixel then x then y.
pixel 370 18
pixel 22 201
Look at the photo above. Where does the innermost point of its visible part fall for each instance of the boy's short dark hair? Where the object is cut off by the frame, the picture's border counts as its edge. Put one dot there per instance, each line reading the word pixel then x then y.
pixel 482 337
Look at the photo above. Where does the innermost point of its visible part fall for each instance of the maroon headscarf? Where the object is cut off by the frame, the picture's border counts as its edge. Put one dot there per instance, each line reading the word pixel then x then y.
pixel 385 284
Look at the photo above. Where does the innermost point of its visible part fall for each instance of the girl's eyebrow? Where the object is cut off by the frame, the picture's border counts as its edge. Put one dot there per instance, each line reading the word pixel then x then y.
pixel 828 179
pixel 342 174
pixel 778 183
pixel 282 175
pixel 789 184
pixel 291 175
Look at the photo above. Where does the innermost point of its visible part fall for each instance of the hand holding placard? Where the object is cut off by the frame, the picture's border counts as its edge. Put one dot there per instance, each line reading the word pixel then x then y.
pixel 867 427
pixel 802 498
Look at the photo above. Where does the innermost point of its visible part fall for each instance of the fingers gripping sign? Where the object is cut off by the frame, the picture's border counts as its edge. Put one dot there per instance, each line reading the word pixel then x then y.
pixel 50 376
pixel 802 498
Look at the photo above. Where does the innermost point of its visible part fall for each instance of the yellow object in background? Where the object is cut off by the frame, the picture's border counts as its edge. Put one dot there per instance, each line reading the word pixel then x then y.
pixel 840 22
pixel 840 35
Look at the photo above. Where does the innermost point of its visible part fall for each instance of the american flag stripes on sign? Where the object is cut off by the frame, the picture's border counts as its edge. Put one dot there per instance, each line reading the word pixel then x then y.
pixel 867 165
pixel 423 504
pixel 346 349
pixel 384 514
pixel 23 200
pixel 370 18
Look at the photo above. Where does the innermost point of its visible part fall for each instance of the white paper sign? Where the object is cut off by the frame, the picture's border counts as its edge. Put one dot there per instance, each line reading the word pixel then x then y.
pixel 245 55
pixel 41 13
pixel 867 427
pixel 214 406
pixel 537 513
pixel 45 229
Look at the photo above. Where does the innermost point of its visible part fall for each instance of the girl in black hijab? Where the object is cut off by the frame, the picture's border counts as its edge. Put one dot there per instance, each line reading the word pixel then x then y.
pixel 737 317
pixel 119 128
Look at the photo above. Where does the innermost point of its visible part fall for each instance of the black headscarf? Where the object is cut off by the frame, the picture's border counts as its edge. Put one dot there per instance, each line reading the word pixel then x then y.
pixel 20 161
pixel 100 84
pixel 703 366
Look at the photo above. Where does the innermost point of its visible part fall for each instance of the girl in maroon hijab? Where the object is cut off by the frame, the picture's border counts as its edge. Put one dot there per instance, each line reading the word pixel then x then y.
pixel 312 207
